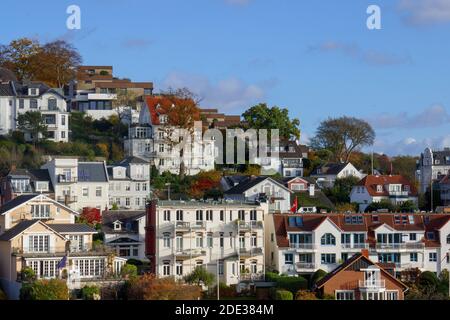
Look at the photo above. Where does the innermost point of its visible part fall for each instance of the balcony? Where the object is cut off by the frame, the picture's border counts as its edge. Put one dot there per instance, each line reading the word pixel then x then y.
pixel 189 254
pixel 67 199
pixel 357 246
pixel 303 246
pixel 398 194
pixel 250 252
pixel 372 284
pixel 198 225
pixel 305 266
pixel 248 226
pixel 250 277
pixel 65 179
pixel 182 226
pixel 400 246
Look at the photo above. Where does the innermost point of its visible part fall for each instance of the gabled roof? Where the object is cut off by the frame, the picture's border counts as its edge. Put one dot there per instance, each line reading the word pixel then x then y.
pixel 329 169
pixel 350 262
pixel 124 217
pixel 17 229
pixel 72 228
pixel 17 202
pixel 250 182
pixel 371 182
pixel 33 174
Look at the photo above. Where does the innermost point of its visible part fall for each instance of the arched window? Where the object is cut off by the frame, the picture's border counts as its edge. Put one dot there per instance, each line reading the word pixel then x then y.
pixel 328 240
pixel 448 239
pixel 52 105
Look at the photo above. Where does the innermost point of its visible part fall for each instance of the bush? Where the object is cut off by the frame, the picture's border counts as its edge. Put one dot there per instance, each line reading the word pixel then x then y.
pixel 319 274
pixel 128 271
pixel 283 295
pixel 293 284
pixel 53 289
pixel 27 274
pixel 90 293
pixel 428 280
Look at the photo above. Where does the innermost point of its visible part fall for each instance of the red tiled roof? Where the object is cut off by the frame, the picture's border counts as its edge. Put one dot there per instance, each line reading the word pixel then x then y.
pixel 371 182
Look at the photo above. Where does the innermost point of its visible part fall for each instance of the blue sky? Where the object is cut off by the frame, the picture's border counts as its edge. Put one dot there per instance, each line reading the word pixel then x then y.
pixel 317 58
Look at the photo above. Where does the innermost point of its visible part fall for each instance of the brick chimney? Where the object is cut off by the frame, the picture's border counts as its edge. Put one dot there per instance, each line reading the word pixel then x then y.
pixel 365 253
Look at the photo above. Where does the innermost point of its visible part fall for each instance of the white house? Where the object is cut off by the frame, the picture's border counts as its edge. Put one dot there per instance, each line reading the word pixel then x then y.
pixel 261 189
pixel 17 98
pixel 393 188
pixel 79 184
pixel 227 238
pixel 149 140
pixel 433 166
pixel 327 174
pixel 129 183
pixel 302 244
pixel 125 232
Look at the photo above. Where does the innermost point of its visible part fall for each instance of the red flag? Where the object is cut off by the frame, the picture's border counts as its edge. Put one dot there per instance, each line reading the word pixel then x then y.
pixel 294 207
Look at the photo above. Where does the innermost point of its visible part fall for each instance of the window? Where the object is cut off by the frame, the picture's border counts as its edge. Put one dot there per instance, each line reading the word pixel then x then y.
pixel 253 215
pixel 39 243
pixel 63 120
pixel 179 268
pixel 231 239
pixel 98 191
pixel 166 240
pixel 289 258
pixel 413 257
pixel 432 257
pixel 52 105
pixel 209 215
pixel 137 201
pixel 328 258
pixel 33 104
pixel 166 268
pixel 241 215
pixel 328 240
pixel 161 147
pixel 231 215
pixel 254 240
pixel 199 215
pixel 21 104
pixel 413 237
pixel 199 240
pixel 41 186
pixel 138 186
pixel 345 295
pixel 209 240
pixel 166 215
pixel 448 239
pixel 221 239
pixel 179 215
pixel 391 295
pixel 221 269
pixel 430 235
pixel 222 215
pixel 63 134
pixel 40 211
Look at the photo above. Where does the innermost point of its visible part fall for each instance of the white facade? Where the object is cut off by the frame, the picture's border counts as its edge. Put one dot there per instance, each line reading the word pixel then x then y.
pixel 48 102
pixel 432 165
pixel 225 238
pixel 79 184
pixel 326 179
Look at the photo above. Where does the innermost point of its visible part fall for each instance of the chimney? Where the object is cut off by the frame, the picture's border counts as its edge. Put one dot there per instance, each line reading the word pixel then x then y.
pixel 365 253
pixel 311 190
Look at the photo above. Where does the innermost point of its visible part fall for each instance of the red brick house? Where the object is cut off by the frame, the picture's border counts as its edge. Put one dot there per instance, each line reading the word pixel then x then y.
pixel 359 278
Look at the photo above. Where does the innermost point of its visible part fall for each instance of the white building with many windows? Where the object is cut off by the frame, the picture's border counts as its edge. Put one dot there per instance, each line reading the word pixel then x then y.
pixel 129 184
pixel 17 98
pixel 226 238
pixel 79 184
pixel 302 244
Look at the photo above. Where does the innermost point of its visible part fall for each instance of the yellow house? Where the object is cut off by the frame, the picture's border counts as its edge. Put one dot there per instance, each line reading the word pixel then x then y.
pixel 40 233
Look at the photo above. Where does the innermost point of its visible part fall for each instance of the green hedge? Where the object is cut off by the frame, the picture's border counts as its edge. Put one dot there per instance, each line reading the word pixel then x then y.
pixel 292 284
pixel 283 295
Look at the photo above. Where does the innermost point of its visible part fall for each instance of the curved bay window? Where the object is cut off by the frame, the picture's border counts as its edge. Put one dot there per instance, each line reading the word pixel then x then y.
pixel 328 240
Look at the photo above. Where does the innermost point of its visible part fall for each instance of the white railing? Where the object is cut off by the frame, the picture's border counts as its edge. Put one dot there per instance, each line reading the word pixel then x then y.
pixel 355 245
pixel 305 265
pixel 398 246
pixel 372 283
pixel 306 246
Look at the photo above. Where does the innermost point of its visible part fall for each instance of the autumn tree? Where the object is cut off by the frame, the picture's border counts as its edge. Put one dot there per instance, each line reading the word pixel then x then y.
pixel 342 136
pixel 124 102
pixel 204 182
pixel 20 56
pixel 32 122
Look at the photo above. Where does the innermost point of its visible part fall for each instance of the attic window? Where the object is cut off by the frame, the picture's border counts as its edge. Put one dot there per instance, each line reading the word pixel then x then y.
pixel 355 219
pixel 411 219
pixel 375 219
pixel 430 235
pixel 397 219
pixel 117 226
pixel 427 219
pixel 379 188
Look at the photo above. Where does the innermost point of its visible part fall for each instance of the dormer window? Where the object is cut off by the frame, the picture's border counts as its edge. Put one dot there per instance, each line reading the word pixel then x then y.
pixel 117 226
pixel 379 188
pixel 430 235
pixel 33 91
pixel 163 118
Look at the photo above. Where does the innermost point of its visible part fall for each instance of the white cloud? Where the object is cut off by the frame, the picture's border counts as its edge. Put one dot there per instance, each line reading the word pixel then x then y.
pixel 370 57
pixel 409 145
pixel 425 12
pixel 433 116
pixel 226 94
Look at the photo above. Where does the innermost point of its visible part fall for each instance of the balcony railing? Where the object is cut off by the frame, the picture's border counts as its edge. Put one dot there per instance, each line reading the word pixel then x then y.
pixel 372 283
pixel 400 246
pixel 305 266
pixel 399 194
pixel 64 179
pixel 250 251
pixel 303 246
pixel 355 245
pixel 67 199
pixel 188 253
pixel 251 277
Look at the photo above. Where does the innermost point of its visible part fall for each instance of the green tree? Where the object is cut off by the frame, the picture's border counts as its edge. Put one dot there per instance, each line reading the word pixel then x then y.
pixel 53 289
pixel 382 205
pixel 19 56
pixel 90 292
pixel 342 136
pixel 340 192
pixel 263 117
pixel 32 122
pixel 317 276
pixel 128 271
pixel 200 276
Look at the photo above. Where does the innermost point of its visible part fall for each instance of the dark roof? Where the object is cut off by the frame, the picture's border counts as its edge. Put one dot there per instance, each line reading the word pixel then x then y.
pixel 92 172
pixel 16 202
pixel 34 175
pixel 442 156
pixel 248 183
pixel 125 217
pixel 17 229
pixel 131 160
pixel 329 168
pixel 6 89
pixel 72 228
